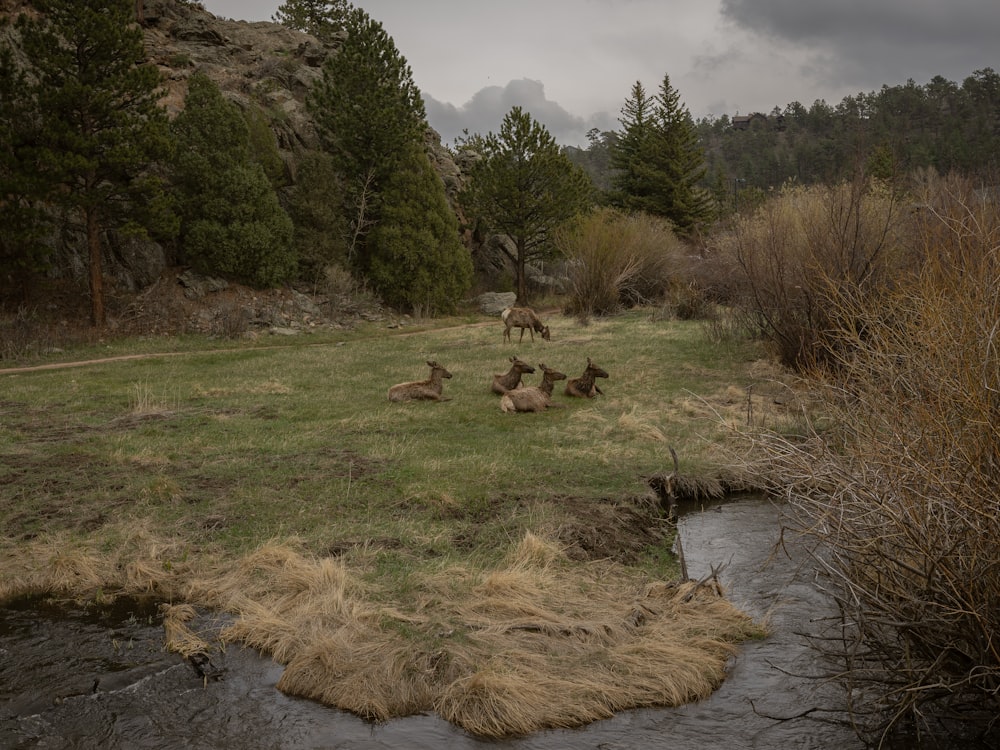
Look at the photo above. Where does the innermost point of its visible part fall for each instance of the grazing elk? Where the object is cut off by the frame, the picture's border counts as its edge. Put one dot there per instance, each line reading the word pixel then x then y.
pixel 584 386
pixel 428 390
pixel 534 398
pixel 511 379
pixel 523 317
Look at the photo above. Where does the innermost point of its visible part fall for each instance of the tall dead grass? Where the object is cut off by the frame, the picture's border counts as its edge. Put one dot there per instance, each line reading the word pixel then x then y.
pixel 535 643
pixel 617 261
pixel 903 500
pixel 804 245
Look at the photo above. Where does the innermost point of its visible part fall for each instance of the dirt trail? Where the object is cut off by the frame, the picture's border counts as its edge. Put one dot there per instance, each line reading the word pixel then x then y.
pixel 160 355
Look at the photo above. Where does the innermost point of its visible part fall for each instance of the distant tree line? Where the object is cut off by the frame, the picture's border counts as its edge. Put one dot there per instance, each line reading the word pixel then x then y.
pixel 889 133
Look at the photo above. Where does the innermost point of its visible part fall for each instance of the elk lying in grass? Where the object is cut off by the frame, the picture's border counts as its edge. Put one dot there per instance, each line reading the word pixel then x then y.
pixel 511 379
pixel 428 390
pixel 523 317
pixel 585 385
pixel 533 398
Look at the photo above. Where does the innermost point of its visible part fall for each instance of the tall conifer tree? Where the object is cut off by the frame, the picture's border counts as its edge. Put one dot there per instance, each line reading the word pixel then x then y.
pixel 232 222
pixel 370 116
pixel 99 125
pixel 417 259
pixel 22 220
pixel 525 187
pixel 659 161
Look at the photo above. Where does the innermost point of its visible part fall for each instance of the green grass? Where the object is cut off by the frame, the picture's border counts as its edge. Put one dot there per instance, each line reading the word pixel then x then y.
pixel 227 446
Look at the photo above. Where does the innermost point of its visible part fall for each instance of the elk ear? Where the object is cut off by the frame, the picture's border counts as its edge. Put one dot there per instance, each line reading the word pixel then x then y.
pixel 431 364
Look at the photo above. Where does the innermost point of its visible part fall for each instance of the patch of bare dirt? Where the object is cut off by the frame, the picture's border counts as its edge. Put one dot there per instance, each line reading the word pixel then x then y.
pixel 621 530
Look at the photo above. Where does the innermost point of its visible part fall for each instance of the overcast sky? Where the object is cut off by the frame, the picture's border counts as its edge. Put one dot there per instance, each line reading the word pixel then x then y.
pixel 572 63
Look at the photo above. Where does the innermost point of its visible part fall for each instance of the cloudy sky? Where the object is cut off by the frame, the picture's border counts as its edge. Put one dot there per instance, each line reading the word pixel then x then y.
pixel 572 63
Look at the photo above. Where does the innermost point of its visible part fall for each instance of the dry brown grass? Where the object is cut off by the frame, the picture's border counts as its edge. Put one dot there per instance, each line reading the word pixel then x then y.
pixel 534 643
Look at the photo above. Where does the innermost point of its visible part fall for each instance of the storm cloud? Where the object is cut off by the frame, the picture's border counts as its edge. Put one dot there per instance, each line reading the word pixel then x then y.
pixel 485 111
pixel 572 63
pixel 870 43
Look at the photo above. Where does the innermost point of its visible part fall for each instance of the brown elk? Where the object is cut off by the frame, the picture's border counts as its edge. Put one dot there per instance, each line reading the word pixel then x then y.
pixel 585 385
pixel 511 379
pixel 533 398
pixel 523 318
pixel 428 390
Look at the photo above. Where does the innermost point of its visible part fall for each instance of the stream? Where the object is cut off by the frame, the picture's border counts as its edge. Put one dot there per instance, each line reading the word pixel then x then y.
pixel 75 679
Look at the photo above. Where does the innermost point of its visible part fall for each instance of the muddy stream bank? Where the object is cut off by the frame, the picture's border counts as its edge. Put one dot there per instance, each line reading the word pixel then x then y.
pixel 73 679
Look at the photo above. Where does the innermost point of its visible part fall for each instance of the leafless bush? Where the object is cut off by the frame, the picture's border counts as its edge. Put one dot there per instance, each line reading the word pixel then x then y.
pixel 22 335
pixel 802 246
pixel 903 499
pixel 345 294
pixel 617 261
pixel 233 321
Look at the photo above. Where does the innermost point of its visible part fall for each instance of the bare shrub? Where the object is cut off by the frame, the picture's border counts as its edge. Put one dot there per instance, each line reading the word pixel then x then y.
pixel 804 245
pixel 903 499
pixel 345 294
pixel 233 321
pixel 617 261
pixel 24 335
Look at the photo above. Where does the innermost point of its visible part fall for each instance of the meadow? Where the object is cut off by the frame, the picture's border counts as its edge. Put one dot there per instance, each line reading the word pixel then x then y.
pixel 397 557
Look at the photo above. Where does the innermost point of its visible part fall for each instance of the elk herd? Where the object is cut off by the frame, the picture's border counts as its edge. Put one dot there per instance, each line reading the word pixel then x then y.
pixel 515 396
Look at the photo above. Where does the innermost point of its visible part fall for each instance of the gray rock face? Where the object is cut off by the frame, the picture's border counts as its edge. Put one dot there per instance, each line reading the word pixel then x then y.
pixel 493 303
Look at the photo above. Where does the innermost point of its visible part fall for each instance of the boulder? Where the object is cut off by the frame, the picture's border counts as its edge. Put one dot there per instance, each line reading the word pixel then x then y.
pixel 494 303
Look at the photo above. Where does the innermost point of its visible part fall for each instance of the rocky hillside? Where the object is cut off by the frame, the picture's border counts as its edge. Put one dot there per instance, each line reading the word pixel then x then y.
pixel 256 65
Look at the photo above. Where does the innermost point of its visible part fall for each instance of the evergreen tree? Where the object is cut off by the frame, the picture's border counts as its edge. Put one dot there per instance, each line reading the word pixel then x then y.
pixel 99 126
pixel 366 107
pixel 371 120
pixel 525 187
pixel 321 18
pixel 316 209
pixel 264 147
pixel 417 259
pixel 631 180
pixel 231 221
pixel 660 161
pixel 22 220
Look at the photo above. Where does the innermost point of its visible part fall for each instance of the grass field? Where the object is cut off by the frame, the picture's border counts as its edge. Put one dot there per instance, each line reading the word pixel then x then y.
pixel 197 476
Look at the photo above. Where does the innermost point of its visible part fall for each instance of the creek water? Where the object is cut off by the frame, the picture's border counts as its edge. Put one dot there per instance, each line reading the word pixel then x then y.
pixel 76 679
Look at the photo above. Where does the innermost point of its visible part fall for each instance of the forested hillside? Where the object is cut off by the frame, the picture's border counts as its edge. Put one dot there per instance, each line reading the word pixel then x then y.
pixel 947 126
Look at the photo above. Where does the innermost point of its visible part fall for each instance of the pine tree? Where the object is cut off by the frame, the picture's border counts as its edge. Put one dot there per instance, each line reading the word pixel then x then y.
pixel 321 18
pixel 632 188
pixel 525 187
pixel 22 221
pixel 231 220
pixel 366 107
pixel 660 161
pixel 316 209
pixel 99 125
pixel 417 259
pixel 370 118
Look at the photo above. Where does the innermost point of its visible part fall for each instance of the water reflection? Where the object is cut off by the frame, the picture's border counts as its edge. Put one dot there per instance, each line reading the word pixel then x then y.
pixel 76 679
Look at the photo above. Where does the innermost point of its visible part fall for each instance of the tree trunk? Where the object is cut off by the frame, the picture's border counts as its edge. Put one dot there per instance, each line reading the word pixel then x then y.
pixel 522 279
pixel 96 276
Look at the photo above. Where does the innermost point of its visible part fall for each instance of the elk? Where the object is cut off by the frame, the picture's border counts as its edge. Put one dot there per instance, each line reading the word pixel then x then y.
pixel 511 379
pixel 523 317
pixel 534 398
pixel 584 386
pixel 427 390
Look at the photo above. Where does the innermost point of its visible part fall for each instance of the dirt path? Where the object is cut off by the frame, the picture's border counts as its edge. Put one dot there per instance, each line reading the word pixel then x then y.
pixel 161 355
